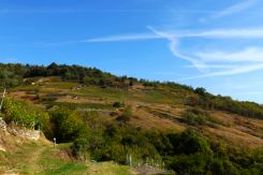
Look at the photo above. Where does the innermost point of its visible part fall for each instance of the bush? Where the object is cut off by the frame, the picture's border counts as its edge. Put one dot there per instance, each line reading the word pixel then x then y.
pixel 126 115
pixel 188 142
pixel 185 153
pixel 194 164
pixel 67 125
pixel 222 167
pixel 195 117
pixel 115 143
pixel 118 105
pixel 26 114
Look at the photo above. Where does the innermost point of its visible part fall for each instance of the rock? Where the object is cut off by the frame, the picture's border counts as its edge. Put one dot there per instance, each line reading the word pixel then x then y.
pixel 2 148
pixel 25 133
pixel 2 124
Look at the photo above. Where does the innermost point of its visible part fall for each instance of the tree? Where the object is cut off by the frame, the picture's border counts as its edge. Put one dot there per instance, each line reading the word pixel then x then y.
pixel 126 115
pixel 201 91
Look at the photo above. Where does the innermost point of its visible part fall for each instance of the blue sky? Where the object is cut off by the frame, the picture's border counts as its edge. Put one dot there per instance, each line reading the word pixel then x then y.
pixel 214 44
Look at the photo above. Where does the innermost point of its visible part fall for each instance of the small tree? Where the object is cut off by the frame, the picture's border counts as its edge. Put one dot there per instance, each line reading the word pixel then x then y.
pixel 126 115
pixel 201 91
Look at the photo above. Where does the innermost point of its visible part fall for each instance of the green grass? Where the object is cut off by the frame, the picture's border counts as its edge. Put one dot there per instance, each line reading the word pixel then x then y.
pixel 36 158
pixel 51 163
pixel 108 168
pixel 148 95
pixel 74 106
pixel 25 88
pixel 110 93
pixel 61 85
pixel 69 168
pixel 157 96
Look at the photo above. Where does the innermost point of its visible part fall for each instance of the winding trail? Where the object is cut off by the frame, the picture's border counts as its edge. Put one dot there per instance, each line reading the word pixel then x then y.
pixel 34 159
pixel 27 160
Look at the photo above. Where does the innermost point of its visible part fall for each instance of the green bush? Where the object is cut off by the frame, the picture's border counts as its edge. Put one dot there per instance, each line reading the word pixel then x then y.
pixel 125 116
pixel 222 167
pixel 195 117
pixel 67 124
pixel 189 142
pixel 115 143
pixel 194 164
pixel 26 114
pixel 185 153
pixel 118 104
pixel 11 74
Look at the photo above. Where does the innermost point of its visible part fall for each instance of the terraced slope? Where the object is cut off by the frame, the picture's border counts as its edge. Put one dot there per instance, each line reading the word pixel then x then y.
pixel 157 108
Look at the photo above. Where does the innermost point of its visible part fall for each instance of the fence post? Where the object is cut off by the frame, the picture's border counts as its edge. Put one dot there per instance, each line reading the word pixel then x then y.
pixel 130 159
pixel 2 100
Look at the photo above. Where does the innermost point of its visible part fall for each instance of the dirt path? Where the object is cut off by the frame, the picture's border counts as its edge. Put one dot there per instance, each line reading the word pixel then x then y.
pixel 26 160
pixel 34 159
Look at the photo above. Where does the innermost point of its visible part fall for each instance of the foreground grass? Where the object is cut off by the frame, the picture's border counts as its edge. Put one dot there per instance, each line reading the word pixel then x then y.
pixel 45 159
pixel 107 168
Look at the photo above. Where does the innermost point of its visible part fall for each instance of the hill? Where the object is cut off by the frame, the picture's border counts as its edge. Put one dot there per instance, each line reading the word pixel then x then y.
pixel 103 117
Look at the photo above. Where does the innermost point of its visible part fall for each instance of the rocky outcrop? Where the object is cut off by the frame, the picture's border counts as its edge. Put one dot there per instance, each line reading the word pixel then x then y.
pixel 18 131
pixel 3 124
pixel 24 133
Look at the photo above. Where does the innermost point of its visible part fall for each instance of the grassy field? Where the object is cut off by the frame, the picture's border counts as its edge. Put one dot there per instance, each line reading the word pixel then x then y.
pixel 45 159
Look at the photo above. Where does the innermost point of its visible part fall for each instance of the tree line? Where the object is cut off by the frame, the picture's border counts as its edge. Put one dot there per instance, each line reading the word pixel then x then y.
pixel 13 75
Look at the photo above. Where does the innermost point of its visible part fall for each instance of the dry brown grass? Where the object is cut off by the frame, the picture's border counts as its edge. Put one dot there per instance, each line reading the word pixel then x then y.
pixel 147 120
pixel 235 137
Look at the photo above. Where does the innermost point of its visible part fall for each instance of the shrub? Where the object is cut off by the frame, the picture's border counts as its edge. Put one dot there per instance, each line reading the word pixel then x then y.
pixel 26 114
pixel 194 164
pixel 115 143
pixel 189 142
pixel 222 167
pixel 195 117
pixel 67 124
pixel 118 104
pixel 126 115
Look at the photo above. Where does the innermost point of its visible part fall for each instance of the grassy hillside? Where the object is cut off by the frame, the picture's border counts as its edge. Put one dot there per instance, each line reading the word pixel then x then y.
pixel 23 156
pixel 152 107
pixel 109 118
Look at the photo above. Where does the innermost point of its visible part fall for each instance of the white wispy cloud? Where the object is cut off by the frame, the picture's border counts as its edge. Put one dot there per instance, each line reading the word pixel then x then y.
pixel 227 72
pixel 129 37
pixel 235 8
pixel 249 33
pixel 209 63
pixel 256 33
pixel 233 33
pixel 247 55
pixel 232 9
pixel 173 46
pixel 206 62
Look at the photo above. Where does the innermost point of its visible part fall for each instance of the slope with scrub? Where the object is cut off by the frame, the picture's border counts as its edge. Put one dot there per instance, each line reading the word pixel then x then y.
pixel 110 118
